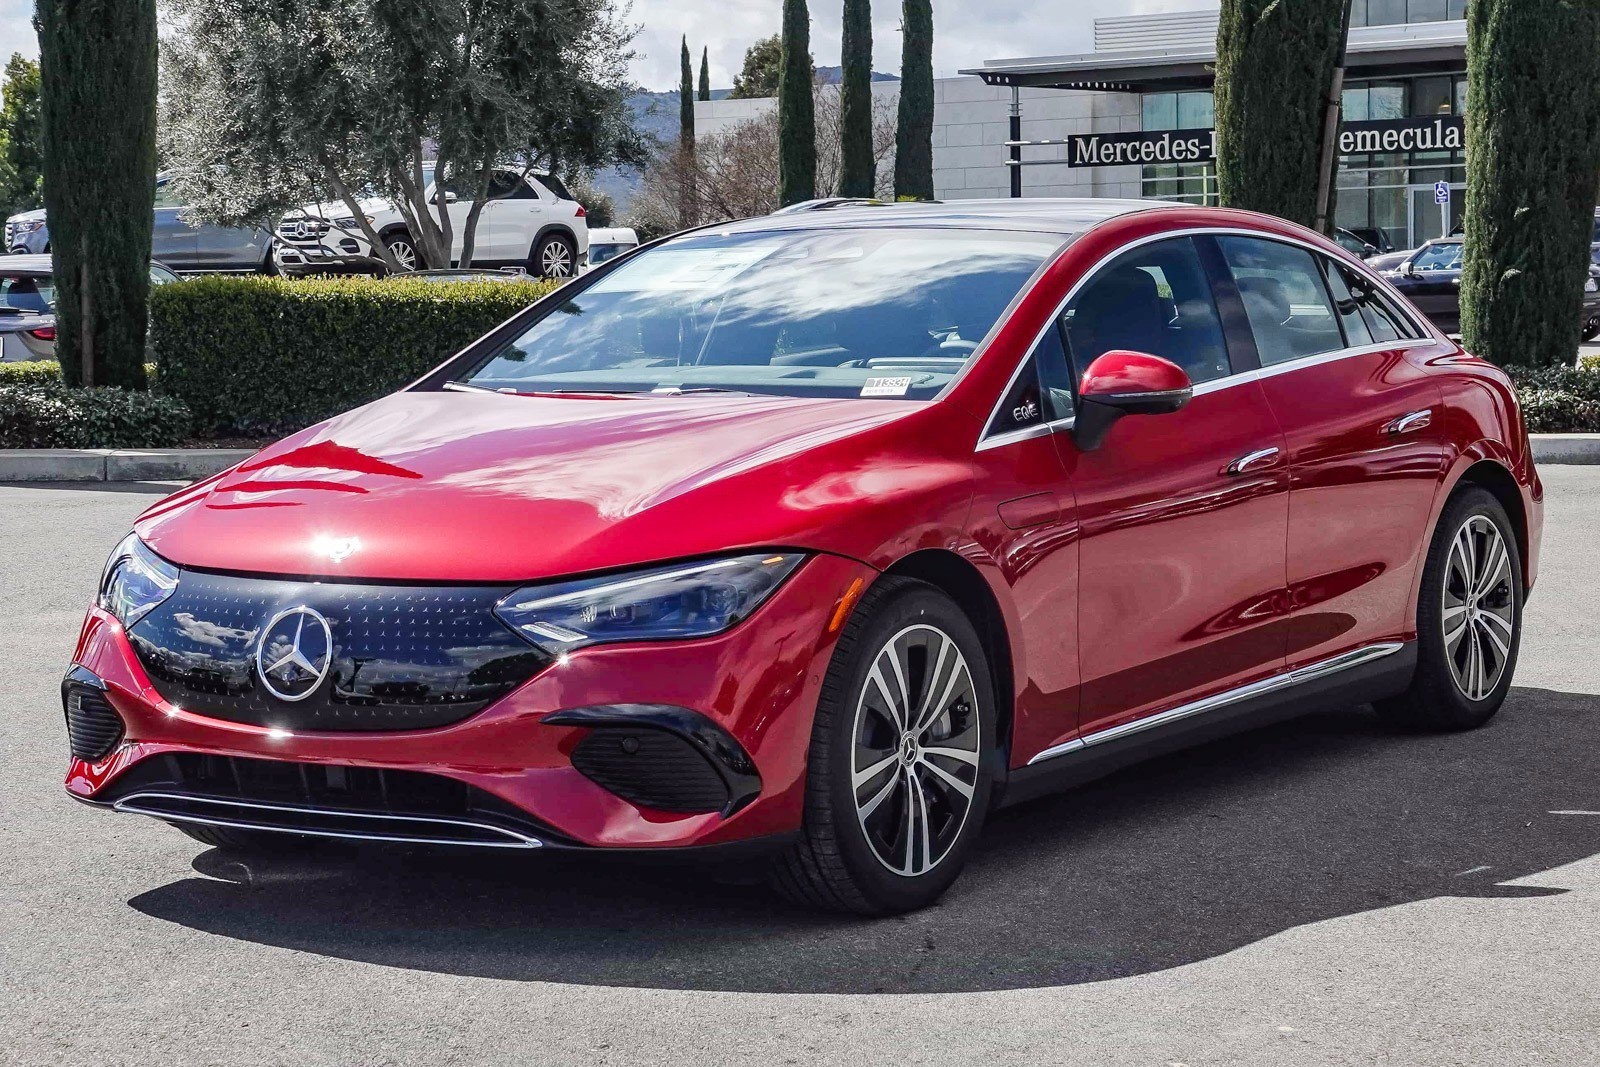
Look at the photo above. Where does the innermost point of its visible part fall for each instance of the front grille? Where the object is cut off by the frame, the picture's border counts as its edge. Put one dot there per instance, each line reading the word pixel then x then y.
pixel 322 799
pixel 652 768
pixel 302 229
pixel 11 231
pixel 402 657
pixel 93 725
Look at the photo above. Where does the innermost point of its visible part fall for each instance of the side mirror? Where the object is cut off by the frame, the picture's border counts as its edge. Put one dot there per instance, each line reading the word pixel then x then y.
pixel 1126 383
pixel 447 196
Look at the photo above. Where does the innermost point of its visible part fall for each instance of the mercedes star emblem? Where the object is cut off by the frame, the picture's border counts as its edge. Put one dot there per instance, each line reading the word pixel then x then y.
pixel 295 653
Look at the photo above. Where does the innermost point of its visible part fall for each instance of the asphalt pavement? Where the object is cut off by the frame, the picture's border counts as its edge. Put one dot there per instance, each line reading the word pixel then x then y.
pixel 1326 892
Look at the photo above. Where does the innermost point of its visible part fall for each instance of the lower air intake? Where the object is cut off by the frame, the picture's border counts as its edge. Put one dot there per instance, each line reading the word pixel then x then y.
pixel 651 768
pixel 93 725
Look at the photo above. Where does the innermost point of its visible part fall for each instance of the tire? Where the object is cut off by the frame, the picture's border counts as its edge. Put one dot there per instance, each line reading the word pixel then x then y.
pixel 1445 693
pixel 554 256
pixel 847 861
pixel 1591 327
pixel 403 249
pixel 236 840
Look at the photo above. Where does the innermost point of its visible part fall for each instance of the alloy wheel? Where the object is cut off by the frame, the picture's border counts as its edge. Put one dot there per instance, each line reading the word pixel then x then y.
pixel 555 261
pixel 1479 615
pixel 916 746
pixel 404 254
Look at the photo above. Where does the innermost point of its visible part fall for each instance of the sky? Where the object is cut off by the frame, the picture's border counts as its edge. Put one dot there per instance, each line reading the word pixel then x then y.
pixel 966 32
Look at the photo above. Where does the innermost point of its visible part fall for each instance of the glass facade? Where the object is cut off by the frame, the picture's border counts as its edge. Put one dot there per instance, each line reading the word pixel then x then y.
pixel 1400 12
pixel 1189 183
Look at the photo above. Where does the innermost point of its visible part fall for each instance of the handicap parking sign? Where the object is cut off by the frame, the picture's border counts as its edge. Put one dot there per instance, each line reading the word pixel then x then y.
pixel 1441 192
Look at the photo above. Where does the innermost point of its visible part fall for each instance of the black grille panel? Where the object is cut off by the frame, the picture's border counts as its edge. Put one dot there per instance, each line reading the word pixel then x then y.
pixel 652 768
pixel 404 657
pixel 93 725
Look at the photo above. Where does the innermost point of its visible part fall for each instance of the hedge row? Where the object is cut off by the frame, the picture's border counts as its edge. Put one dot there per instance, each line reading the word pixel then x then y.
pixel 1559 399
pixel 30 372
pixel 53 415
pixel 258 356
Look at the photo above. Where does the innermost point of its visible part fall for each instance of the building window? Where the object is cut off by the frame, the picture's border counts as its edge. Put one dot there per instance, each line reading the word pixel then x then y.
pixel 1190 183
pixel 1393 191
pixel 1400 12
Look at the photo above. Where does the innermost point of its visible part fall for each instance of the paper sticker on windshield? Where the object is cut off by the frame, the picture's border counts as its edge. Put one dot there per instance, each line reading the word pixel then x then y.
pixel 886 386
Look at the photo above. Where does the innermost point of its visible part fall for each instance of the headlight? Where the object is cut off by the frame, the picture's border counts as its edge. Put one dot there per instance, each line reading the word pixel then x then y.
pixel 659 604
pixel 135 581
pixel 1590 286
pixel 349 222
pixel 26 226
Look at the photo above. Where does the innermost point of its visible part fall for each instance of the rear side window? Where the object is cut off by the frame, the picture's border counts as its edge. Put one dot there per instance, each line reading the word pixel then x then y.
pixel 1381 317
pixel 555 185
pixel 1356 333
pixel 1285 298
pixel 1154 299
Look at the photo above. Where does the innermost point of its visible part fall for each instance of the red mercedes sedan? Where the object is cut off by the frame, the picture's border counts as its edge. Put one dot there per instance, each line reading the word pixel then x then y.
pixel 824 535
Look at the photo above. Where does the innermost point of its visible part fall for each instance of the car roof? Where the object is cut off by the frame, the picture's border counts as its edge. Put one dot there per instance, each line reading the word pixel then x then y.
pixel 1040 215
pixel 26 264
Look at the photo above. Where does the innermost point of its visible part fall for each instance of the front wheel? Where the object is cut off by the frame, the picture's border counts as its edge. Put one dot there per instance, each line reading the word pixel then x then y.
pixel 1591 327
pixel 900 768
pixel 1469 619
pixel 403 249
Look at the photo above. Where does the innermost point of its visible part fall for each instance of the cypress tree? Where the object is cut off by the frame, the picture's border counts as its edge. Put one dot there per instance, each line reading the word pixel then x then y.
pixel 688 192
pixel 705 74
pixel 97 65
pixel 913 138
pixel 1275 62
pixel 1533 155
pixel 686 99
pixel 797 117
pixel 857 168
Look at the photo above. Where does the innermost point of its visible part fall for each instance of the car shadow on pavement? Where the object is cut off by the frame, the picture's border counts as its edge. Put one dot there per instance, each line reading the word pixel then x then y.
pixel 1172 862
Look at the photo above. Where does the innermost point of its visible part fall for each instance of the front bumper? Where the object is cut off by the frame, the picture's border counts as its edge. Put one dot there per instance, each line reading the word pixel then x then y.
pixel 338 252
pixel 757 685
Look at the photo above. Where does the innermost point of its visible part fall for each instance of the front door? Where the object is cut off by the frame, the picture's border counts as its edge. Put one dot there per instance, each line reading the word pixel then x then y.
pixel 1182 517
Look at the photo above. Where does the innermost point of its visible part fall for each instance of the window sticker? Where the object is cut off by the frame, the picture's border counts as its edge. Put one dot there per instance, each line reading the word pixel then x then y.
pixel 685 269
pixel 886 386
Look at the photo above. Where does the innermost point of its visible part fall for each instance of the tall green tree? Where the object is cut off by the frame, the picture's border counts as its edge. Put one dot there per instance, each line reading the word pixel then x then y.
pixel 763 65
pixel 1533 156
pixel 97 66
pixel 21 137
pixel 686 98
pixel 1275 64
pixel 913 141
pixel 858 169
pixel 705 74
pixel 797 116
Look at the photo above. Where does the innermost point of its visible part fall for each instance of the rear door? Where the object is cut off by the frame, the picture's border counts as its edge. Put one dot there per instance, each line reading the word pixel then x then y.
pixel 510 219
pixel 1343 369
pixel 1432 282
pixel 172 239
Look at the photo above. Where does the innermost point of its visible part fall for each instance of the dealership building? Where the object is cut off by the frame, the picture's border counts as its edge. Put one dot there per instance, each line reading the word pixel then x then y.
pixel 1133 118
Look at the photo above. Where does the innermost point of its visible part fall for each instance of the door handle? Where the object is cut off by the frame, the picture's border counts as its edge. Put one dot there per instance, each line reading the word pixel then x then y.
pixel 1260 459
pixel 1411 422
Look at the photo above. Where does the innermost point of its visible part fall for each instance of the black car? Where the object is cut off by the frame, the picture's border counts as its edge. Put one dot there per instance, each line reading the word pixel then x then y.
pixel 1431 278
pixel 1364 241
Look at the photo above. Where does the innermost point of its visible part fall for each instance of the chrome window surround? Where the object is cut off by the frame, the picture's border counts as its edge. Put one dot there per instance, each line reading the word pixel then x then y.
pixel 1428 337
pixel 1285 680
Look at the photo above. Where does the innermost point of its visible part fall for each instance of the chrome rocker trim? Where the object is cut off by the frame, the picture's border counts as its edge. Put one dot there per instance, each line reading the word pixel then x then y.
pixel 1299 676
pixel 130 805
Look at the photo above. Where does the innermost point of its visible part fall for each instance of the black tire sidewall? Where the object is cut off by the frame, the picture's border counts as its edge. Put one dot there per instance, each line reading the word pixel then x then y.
pixel 910 604
pixel 536 264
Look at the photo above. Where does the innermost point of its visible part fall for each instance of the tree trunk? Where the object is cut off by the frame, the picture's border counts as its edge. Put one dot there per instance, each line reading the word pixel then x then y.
pixel 913 140
pixel 342 191
pixel 1533 154
pixel 857 167
pixel 1275 62
pixel 469 227
pixel 797 117
pixel 98 102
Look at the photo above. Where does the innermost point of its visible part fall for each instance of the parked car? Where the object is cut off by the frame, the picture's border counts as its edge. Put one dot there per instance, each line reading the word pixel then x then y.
pixel 530 221
pixel 606 244
pixel 184 246
pixel 1376 236
pixel 1355 244
pixel 1431 278
pixel 938 508
pixel 28 306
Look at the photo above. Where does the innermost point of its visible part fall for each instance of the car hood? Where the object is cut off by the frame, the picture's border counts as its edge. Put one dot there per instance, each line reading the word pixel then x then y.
pixel 27 216
pixel 336 209
pixel 456 486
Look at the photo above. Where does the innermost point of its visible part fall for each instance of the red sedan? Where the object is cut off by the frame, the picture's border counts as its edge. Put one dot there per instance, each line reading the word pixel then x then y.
pixel 824 535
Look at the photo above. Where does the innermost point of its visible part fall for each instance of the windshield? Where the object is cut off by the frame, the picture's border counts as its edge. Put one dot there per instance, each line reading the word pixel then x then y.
pixel 837 313
pixel 1438 257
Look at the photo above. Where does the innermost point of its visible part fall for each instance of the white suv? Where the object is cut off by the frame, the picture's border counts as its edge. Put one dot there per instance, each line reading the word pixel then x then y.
pixel 530 222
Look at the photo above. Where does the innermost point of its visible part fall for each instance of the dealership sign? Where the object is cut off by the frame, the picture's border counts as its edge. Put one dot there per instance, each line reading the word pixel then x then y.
pixel 1443 133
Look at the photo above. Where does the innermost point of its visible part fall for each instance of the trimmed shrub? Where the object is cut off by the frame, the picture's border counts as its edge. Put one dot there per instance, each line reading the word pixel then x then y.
pixel 263 356
pixel 1559 399
pixel 61 416
pixel 30 372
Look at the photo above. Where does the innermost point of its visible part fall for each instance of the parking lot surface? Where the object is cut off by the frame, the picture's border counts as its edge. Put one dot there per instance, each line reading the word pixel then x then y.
pixel 1326 892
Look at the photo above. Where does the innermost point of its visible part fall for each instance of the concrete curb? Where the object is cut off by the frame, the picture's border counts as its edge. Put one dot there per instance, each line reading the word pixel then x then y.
pixel 116 464
pixel 1566 447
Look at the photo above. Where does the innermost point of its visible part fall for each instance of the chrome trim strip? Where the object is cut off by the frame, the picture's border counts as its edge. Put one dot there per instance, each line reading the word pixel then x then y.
pixel 1298 676
pixel 127 806
pixel 1027 433
pixel 1428 339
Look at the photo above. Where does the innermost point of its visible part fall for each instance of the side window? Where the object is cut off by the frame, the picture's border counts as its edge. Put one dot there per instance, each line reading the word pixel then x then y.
pixel 1284 297
pixel 505 183
pixel 1155 299
pixel 1356 333
pixel 1042 392
pixel 1383 320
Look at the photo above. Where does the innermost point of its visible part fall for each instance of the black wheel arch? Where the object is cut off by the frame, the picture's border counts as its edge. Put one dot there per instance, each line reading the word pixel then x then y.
pixel 1499 482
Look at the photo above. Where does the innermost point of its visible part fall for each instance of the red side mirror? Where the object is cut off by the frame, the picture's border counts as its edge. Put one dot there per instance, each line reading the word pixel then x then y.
pixel 1126 383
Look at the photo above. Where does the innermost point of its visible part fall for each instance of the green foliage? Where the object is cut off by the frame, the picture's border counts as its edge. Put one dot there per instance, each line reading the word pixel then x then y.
pixel 1533 156
pixel 97 66
pixel 686 98
pixel 597 203
pixel 21 138
pixel 31 372
pixel 705 74
pixel 1275 64
pixel 797 116
pixel 257 355
pixel 1559 398
pixel 913 141
pixel 857 167
pixel 53 415
pixel 763 67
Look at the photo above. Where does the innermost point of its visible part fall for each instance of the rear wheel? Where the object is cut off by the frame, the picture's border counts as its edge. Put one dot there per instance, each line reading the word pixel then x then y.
pixel 1469 619
pixel 900 770
pixel 555 256
pixel 1591 327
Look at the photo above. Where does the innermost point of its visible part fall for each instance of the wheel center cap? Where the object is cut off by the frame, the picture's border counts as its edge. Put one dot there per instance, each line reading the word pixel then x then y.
pixel 908 750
